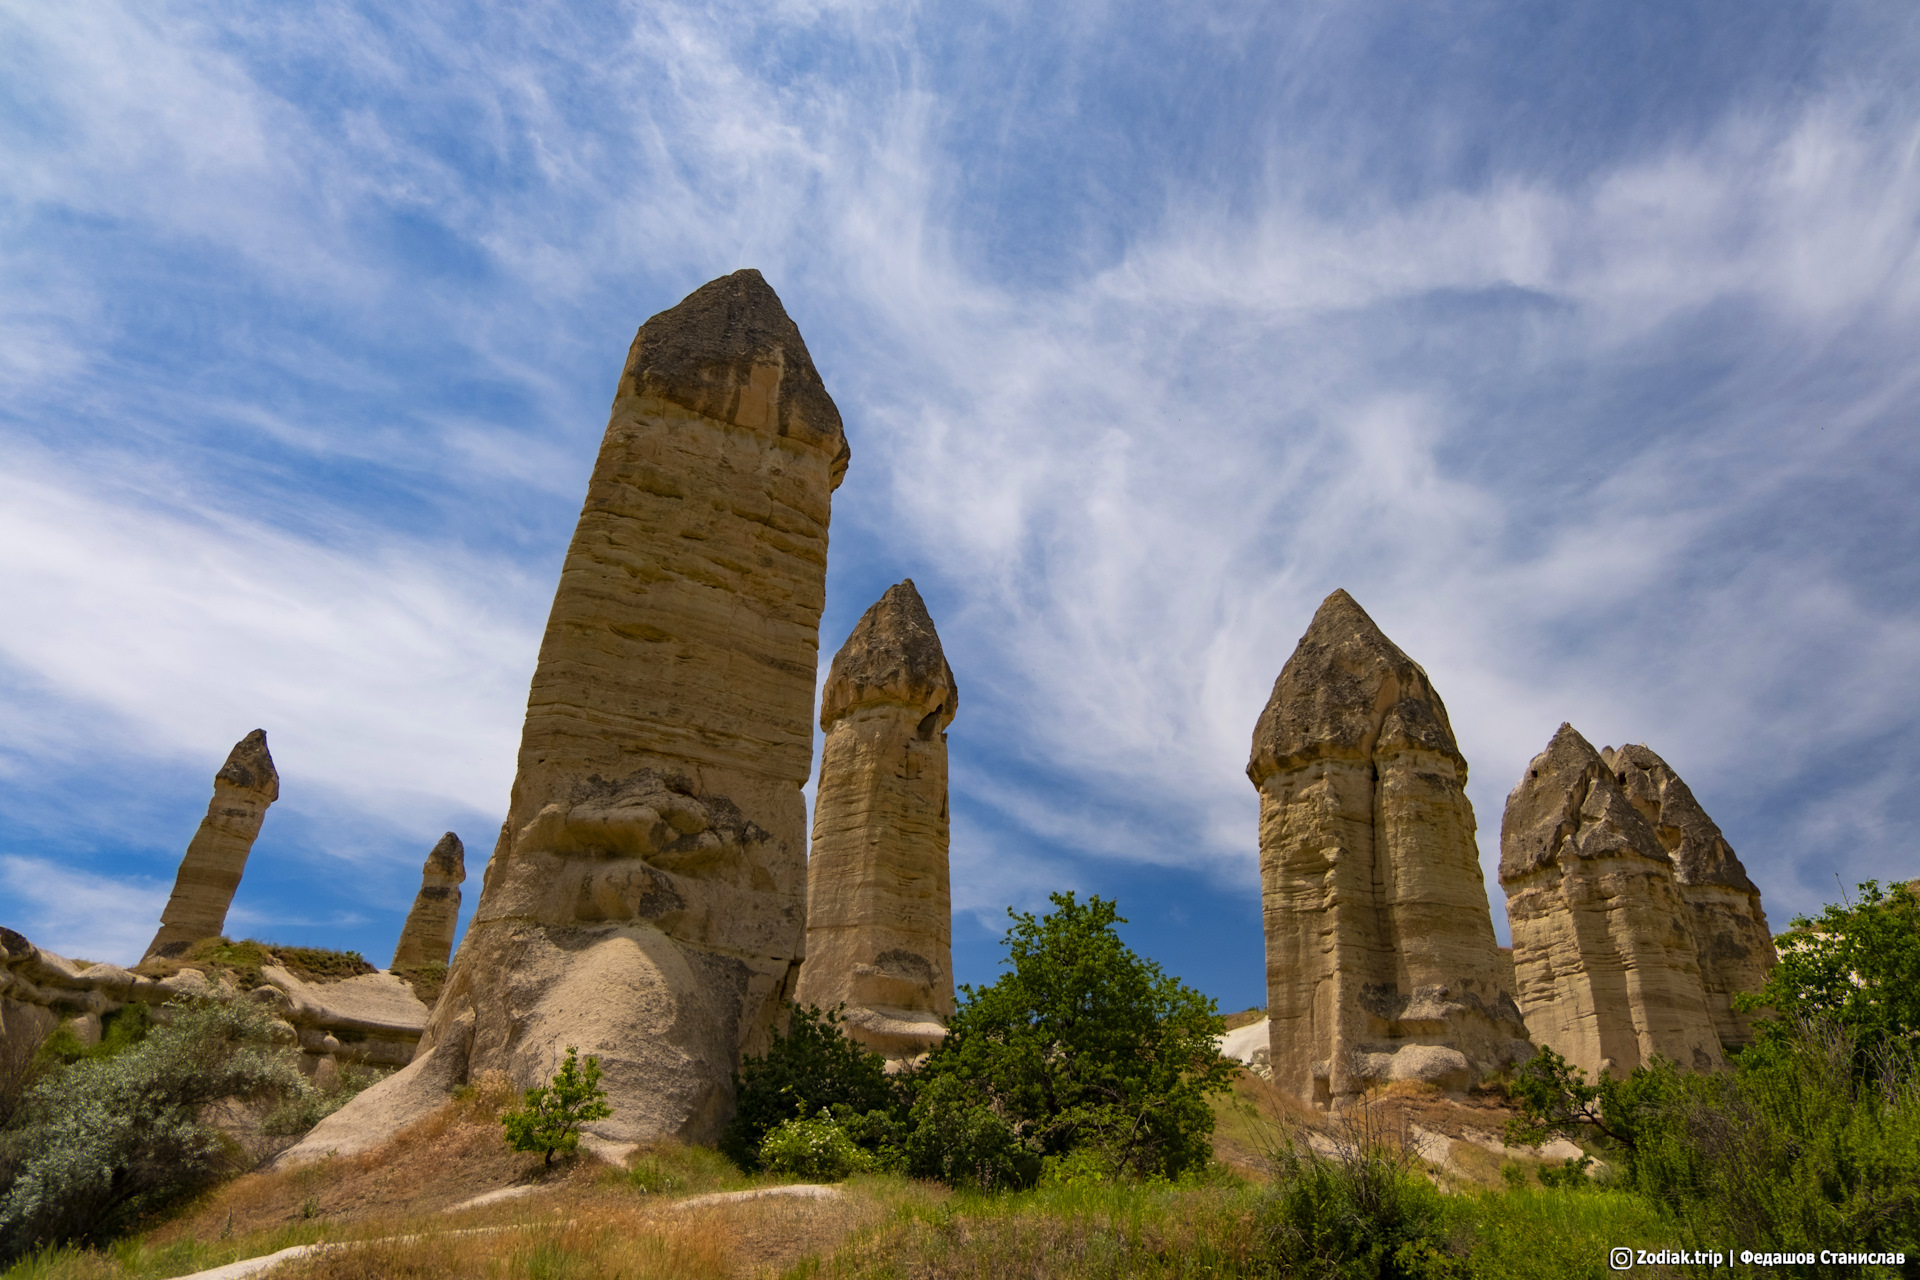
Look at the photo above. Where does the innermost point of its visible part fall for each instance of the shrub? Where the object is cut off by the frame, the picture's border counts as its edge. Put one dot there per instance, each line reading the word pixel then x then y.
pixel 103 1140
pixel 819 1150
pixel 1797 1147
pixel 1082 1045
pixel 551 1115
pixel 814 1066
pixel 1364 1215
pixel 298 1114
pixel 1857 967
pixel 960 1139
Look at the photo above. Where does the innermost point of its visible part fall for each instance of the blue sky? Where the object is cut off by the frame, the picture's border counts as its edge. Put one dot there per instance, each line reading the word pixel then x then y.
pixel 1577 342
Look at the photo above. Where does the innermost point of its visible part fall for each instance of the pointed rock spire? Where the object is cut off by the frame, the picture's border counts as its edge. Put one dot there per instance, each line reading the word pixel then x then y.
pixel 1603 948
pixel 879 914
pixel 1381 958
pixel 217 855
pixel 646 901
pixel 1729 925
pixel 1348 690
pixel 427 936
pixel 893 655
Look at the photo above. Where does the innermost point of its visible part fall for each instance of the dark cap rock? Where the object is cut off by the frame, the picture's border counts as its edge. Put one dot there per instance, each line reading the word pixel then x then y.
pixel 731 352
pixel 893 655
pixel 1346 692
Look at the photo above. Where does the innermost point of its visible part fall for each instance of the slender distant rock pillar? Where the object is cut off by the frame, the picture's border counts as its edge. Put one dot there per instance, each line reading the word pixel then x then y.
pixel 1603 947
pixel 646 901
pixel 879 907
pixel 1730 935
pixel 217 855
pixel 427 936
pixel 1381 959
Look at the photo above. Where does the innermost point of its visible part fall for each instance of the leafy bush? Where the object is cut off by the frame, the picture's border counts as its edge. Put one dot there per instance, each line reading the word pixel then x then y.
pixel 961 1139
pixel 819 1150
pixel 103 1140
pixel 1797 1147
pixel 814 1066
pixel 552 1114
pixel 1856 967
pixel 1083 1045
pixel 298 1114
pixel 1367 1214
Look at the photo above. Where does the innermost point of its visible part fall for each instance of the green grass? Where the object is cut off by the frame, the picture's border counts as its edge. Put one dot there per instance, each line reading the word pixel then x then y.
pixel 133 1259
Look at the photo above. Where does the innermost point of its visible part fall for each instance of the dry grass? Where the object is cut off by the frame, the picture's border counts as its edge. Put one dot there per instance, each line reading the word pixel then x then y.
pixel 1245 1018
pixel 1060 1232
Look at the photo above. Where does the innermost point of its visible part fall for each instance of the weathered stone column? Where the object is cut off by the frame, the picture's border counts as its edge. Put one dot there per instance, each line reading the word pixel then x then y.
pixel 646 900
pixel 217 855
pixel 427 936
pixel 1730 935
pixel 879 907
pixel 1603 948
pixel 1381 959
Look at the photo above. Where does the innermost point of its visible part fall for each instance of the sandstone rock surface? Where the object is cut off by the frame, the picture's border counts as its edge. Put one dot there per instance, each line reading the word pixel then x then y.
pixel 1381 958
pixel 879 905
pixel 427 936
pixel 1730 934
pixel 1603 945
pixel 646 899
pixel 217 855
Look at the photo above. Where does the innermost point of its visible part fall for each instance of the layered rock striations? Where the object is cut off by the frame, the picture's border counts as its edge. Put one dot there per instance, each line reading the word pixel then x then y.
pixel 646 899
pixel 1603 946
pixel 879 914
pixel 1730 935
pixel 1381 958
pixel 217 855
pixel 427 936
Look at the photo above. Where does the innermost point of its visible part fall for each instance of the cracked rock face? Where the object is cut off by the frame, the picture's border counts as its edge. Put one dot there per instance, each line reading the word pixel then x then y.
pixel 1730 935
pixel 879 913
pixel 217 855
pixel 427 936
pixel 1603 945
pixel 646 899
pixel 1381 958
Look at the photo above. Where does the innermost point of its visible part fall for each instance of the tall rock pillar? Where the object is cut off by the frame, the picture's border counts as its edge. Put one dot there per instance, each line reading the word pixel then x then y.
pixel 646 901
pixel 1730 935
pixel 879 907
pixel 217 855
pixel 1603 946
pixel 1381 959
pixel 427 936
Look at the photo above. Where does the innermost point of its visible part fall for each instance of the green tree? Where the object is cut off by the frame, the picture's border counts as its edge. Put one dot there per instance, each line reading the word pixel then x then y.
pixel 1855 966
pixel 104 1139
pixel 1083 1046
pixel 552 1114
pixel 811 1068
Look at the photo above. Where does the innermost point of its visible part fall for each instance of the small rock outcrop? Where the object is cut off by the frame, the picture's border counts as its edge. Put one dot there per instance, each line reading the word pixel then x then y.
pixel 1730 935
pixel 371 1019
pixel 427 936
pixel 217 855
pixel 1603 945
pixel 1381 958
pixel 879 906
pixel 646 901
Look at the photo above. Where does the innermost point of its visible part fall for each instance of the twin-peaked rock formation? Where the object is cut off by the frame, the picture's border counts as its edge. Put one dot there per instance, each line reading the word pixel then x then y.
pixel 646 899
pixel 427 936
pixel 1381 958
pixel 1633 922
pixel 210 872
pixel 879 919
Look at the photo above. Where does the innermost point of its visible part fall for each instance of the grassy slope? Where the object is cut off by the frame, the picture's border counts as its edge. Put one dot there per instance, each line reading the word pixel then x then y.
pixel 587 1219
